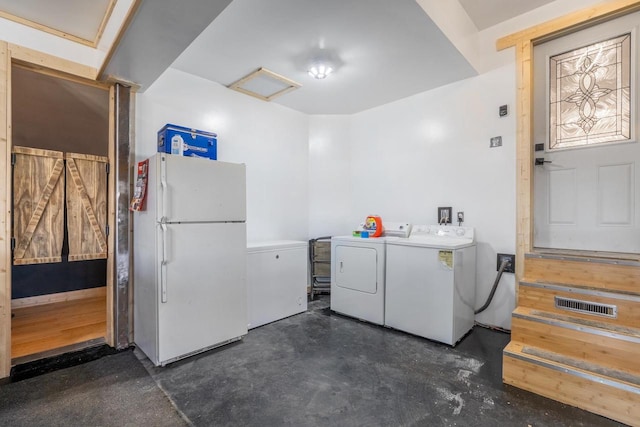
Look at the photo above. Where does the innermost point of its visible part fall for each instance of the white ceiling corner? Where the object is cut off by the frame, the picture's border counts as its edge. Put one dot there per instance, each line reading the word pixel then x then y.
pixel 487 13
pixel 79 18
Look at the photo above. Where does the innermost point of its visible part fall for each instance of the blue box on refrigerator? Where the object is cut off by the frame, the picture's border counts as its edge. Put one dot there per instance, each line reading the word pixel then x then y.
pixel 188 142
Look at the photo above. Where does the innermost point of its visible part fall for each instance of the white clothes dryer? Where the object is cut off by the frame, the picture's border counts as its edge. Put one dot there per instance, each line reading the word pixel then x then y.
pixel 431 282
pixel 358 273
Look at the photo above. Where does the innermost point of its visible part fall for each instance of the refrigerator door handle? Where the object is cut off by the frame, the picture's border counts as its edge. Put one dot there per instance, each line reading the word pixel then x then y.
pixel 163 265
pixel 164 187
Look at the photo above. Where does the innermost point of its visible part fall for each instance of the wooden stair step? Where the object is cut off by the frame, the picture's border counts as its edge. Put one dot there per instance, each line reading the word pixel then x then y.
pixel 601 344
pixel 542 296
pixel 585 289
pixel 627 333
pixel 607 392
pixel 561 363
pixel 612 274
pixel 590 256
pixel 593 368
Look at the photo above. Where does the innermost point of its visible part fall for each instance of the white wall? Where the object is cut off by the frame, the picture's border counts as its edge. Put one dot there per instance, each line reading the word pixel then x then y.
pixel 309 176
pixel 270 139
pixel 406 158
pixel 329 175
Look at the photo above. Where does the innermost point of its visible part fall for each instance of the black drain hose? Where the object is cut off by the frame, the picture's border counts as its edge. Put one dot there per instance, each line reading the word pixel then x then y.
pixel 503 265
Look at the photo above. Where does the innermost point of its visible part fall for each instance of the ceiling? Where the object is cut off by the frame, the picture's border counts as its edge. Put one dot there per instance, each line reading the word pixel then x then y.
pixel 487 13
pixel 82 20
pixel 381 50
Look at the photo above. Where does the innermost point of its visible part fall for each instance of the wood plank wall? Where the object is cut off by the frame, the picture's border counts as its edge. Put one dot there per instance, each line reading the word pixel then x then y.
pixel 5 215
pixel 524 175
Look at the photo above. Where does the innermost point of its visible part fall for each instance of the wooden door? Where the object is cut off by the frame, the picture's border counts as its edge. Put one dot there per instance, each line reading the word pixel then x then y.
pixel 38 210
pixel 86 206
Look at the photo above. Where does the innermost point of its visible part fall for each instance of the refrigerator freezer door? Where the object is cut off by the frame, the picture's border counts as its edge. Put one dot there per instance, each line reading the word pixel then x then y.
pixel 205 288
pixel 193 189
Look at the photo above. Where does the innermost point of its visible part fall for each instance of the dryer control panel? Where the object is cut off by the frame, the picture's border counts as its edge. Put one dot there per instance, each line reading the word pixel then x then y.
pixel 397 229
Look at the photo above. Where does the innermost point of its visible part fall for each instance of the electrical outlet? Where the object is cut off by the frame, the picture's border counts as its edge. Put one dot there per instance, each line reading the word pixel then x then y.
pixel 511 264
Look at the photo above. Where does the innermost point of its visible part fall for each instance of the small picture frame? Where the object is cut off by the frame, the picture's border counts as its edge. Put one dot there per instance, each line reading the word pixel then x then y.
pixel 444 215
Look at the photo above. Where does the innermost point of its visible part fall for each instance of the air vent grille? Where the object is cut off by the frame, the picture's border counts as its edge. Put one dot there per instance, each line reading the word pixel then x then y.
pixel 587 307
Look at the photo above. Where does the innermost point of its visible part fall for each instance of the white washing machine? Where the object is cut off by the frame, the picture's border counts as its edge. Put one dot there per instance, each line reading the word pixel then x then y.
pixel 358 273
pixel 431 282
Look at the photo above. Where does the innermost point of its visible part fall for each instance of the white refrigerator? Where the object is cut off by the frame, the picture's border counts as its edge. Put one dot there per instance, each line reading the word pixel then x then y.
pixel 190 258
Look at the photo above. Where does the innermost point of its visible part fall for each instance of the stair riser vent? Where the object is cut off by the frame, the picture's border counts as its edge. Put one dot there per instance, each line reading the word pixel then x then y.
pixel 587 307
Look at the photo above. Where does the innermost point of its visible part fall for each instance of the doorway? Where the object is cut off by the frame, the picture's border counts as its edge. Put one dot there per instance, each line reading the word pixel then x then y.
pixel 585 129
pixel 59 298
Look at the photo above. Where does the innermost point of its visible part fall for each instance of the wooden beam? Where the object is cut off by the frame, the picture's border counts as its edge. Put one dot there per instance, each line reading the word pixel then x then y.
pixel 5 212
pixel 570 22
pixel 60 75
pixel 103 24
pixel 39 59
pixel 524 191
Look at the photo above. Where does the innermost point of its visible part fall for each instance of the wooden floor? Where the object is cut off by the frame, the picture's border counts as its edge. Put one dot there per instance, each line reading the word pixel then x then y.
pixel 47 327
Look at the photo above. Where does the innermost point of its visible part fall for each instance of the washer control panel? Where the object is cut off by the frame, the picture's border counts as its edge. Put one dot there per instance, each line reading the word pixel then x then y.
pixel 443 231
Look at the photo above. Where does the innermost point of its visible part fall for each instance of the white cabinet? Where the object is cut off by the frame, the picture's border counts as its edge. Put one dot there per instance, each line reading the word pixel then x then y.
pixel 277 278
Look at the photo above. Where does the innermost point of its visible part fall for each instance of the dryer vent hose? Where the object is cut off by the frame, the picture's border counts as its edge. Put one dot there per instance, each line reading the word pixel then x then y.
pixel 503 265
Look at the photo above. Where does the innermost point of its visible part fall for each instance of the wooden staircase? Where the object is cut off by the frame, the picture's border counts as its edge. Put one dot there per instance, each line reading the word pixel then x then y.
pixel 575 334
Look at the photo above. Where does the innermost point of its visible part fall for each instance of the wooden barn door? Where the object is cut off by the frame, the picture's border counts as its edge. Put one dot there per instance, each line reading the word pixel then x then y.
pixel 86 206
pixel 38 218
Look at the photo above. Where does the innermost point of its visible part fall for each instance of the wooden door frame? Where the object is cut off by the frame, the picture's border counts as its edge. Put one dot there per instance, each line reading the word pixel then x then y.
pixel 13 54
pixel 524 41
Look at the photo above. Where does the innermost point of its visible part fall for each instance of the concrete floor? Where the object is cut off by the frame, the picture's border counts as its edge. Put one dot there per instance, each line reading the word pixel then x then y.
pixel 313 369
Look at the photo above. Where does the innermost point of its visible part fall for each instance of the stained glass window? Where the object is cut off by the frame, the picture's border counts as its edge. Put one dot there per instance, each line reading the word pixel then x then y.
pixel 590 94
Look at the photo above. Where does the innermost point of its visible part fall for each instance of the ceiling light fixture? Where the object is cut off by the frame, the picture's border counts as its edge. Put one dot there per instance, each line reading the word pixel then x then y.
pixel 320 71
